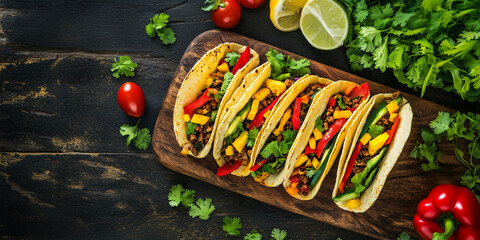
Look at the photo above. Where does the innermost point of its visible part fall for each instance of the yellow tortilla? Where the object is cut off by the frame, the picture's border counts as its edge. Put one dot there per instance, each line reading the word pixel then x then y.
pixel 195 82
pixel 393 152
pixel 271 122
pixel 306 131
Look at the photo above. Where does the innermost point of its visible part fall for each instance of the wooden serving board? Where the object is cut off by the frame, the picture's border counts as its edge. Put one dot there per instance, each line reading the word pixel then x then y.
pixel 390 215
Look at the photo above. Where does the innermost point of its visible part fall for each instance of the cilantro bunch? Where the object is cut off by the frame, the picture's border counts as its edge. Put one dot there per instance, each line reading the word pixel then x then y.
pixel 158 27
pixel 426 43
pixel 457 128
pixel 286 67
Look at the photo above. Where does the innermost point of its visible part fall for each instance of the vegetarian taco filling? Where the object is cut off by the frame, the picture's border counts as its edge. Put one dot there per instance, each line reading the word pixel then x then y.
pixel 363 165
pixel 243 130
pixel 200 115
pixel 275 151
pixel 310 165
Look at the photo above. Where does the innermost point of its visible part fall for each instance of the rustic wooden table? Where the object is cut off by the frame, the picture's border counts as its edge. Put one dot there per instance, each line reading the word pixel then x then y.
pixel 65 172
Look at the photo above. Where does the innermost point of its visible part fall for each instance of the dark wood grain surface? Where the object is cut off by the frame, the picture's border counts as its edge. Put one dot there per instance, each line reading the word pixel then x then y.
pixel 403 190
pixel 65 172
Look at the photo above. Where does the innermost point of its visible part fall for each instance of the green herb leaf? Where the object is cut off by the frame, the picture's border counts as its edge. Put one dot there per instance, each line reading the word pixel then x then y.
pixel 124 67
pixel 311 172
pixel 319 124
pixel 253 235
pixel 271 149
pixel 252 136
pixel 179 195
pixel 131 131
pixel 227 79
pixel 143 139
pixel 157 27
pixel 404 236
pixel 470 177
pixel 210 5
pixel 167 36
pixel 428 152
pixel 441 123
pixel 191 128
pixel 375 130
pixel 202 209
pixel 232 226
pixel 231 58
pixel 278 234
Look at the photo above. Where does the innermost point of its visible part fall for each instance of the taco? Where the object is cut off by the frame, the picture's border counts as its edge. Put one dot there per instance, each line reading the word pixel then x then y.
pixel 377 142
pixel 281 129
pixel 237 134
pixel 322 137
pixel 206 92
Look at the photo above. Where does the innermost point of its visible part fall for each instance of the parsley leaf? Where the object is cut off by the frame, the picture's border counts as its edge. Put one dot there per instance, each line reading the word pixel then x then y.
pixel 158 27
pixel 232 226
pixel 227 79
pixel 404 236
pixel 140 137
pixel 375 130
pixel 278 234
pixel 441 123
pixel 231 58
pixel 124 67
pixel 202 209
pixel 179 195
pixel 252 136
pixel 191 128
pixel 253 235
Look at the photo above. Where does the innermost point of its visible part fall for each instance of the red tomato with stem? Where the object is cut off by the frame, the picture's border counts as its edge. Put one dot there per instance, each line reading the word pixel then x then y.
pixel 131 99
pixel 228 16
pixel 252 4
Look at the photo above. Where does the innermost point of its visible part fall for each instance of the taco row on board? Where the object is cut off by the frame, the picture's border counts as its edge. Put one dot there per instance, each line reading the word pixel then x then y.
pixel 279 124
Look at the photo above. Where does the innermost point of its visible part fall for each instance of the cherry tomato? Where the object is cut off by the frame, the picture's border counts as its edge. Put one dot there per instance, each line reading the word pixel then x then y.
pixel 131 99
pixel 252 4
pixel 229 16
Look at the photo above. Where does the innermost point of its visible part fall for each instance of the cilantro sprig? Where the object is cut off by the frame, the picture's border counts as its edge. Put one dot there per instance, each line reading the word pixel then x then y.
pixel 278 234
pixel 286 67
pixel 179 195
pixel 202 209
pixel 125 66
pixel 253 235
pixel 140 137
pixel 158 27
pixel 232 226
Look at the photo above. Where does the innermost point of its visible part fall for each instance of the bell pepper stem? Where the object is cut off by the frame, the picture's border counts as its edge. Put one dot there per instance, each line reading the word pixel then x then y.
pixel 449 225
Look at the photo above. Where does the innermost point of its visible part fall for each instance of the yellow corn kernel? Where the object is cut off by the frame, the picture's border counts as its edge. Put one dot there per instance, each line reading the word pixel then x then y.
pixel 253 110
pixel 300 160
pixel 292 191
pixel 375 144
pixel 186 118
pixel 241 141
pixel 392 107
pixel 312 143
pixel 353 203
pixel 184 152
pixel 365 139
pixel 223 68
pixel 266 114
pixel 284 120
pixel 261 177
pixel 309 163
pixel 277 87
pixel 261 94
pixel 318 135
pixel 200 119
pixel 342 114
pixel 229 151
pixel 392 117
pixel 315 163
pixel 209 81
pixel 305 99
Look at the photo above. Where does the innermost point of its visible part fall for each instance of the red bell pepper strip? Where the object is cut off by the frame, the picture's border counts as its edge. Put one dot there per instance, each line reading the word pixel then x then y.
pixel 242 60
pixel 360 91
pixel 392 131
pixel 228 168
pixel 257 165
pixel 332 102
pixel 349 169
pixel 296 114
pixel 352 109
pixel 207 95
pixel 446 198
pixel 308 150
pixel 334 129
pixel 259 118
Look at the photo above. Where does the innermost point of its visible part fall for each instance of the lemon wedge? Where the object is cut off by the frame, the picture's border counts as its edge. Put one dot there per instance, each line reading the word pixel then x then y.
pixel 285 14
pixel 324 23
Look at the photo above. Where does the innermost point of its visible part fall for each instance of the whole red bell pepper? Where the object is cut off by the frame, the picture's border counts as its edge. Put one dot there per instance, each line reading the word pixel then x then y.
pixel 207 95
pixel 242 60
pixel 351 163
pixel 259 118
pixel 296 114
pixel 332 130
pixel 450 204
pixel 392 131
pixel 258 165
pixel 228 168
